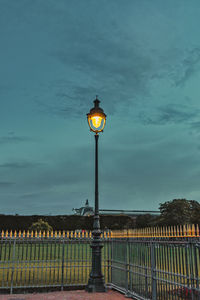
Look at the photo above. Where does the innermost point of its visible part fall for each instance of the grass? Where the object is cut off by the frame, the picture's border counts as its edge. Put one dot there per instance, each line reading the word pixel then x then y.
pixel 48 263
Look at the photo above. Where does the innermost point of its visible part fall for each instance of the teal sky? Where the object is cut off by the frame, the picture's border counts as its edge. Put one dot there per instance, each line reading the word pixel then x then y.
pixel 142 58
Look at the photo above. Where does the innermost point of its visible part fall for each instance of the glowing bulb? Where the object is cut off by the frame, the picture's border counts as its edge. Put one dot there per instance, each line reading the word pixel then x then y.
pixel 96 121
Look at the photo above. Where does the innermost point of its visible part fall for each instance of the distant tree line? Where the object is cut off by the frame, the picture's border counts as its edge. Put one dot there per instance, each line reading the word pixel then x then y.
pixel 175 212
pixel 63 222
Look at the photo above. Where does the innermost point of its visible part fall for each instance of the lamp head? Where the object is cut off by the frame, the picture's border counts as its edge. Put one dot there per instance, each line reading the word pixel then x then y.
pixel 96 118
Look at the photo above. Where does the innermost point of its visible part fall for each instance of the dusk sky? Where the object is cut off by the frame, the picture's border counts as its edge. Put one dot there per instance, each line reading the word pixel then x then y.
pixel 142 59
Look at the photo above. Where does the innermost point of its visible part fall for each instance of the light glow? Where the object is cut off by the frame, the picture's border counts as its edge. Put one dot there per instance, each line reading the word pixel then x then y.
pixel 96 121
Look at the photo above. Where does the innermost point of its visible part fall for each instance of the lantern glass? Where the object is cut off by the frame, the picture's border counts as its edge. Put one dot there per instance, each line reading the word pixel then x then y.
pixel 96 122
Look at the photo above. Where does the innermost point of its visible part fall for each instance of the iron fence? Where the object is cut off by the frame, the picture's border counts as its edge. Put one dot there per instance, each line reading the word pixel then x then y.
pixel 160 269
pixel 142 267
pixel 47 262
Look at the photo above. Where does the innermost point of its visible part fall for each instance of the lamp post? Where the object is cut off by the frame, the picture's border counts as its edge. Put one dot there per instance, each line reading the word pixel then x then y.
pixel 96 120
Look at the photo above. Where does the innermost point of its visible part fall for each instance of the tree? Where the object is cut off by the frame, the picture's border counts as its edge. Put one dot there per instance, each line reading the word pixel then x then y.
pixel 195 212
pixel 41 225
pixel 146 220
pixel 179 212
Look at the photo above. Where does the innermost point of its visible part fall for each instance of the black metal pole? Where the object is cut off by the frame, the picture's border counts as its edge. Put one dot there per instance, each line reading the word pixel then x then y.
pixel 96 280
pixel 96 179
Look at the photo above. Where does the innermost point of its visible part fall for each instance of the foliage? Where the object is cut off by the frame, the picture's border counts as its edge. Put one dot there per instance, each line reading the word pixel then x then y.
pixel 195 212
pixel 116 222
pixel 41 225
pixel 179 212
pixel 66 222
pixel 146 220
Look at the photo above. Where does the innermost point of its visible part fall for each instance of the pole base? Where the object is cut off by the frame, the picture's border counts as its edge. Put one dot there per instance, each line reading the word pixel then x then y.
pixel 95 285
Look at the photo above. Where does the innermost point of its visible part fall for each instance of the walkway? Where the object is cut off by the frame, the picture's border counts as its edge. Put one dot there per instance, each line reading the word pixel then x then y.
pixel 67 295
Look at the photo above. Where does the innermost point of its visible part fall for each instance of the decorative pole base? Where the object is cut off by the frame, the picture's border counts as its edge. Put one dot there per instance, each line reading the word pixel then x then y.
pixel 96 285
pixel 96 281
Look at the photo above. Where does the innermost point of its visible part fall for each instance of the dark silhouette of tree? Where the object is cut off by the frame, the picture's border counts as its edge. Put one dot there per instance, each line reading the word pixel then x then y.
pixel 41 225
pixel 146 220
pixel 179 212
pixel 195 212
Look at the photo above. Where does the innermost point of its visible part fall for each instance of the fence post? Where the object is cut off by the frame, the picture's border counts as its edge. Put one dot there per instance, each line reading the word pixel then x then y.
pixel 128 294
pixel 63 253
pixel 108 260
pixel 196 267
pixel 153 271
pixel 13 266
pixel 111 261
pixel 191 269
pixel 187 266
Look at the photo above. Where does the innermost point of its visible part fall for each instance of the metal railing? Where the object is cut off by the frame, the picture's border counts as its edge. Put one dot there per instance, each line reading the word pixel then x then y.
pixel 46 262
pixel 156 268
pixel 141 263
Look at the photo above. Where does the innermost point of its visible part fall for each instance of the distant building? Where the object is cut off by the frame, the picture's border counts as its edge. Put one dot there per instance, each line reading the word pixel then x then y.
pixel 131 213
pixel 84 210
pixel 89 211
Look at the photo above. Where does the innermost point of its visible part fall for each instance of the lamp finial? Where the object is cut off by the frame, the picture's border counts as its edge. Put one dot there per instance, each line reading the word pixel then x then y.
pixel 96 102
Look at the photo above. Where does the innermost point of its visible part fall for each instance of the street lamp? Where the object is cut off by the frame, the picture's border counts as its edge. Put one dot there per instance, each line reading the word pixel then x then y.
pixel 96 120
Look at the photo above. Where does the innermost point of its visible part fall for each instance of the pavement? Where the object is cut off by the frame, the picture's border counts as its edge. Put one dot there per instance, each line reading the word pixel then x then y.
pixel 66 295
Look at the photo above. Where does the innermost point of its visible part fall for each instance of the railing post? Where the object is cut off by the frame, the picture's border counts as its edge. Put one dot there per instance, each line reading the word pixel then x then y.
pixel 63 254
pixel 153 271
pixel 187 265
pixel 146 283
pixel 196 267
pixel 108 241
pixel 111 261
pixel 13 266
pixel 128 294
pixel 191 269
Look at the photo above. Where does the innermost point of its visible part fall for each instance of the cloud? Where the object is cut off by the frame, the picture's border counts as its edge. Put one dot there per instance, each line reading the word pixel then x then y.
pixel 6 184
pixel 65 173
pixel 116 60
pixel 32 195
pixel 113 76
pixel 122 78
pixel 13 139
pixel 116 84
pixel 169 114
pixel 195 126
pixel 67 101
pixel 188 67
pixel 20 165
